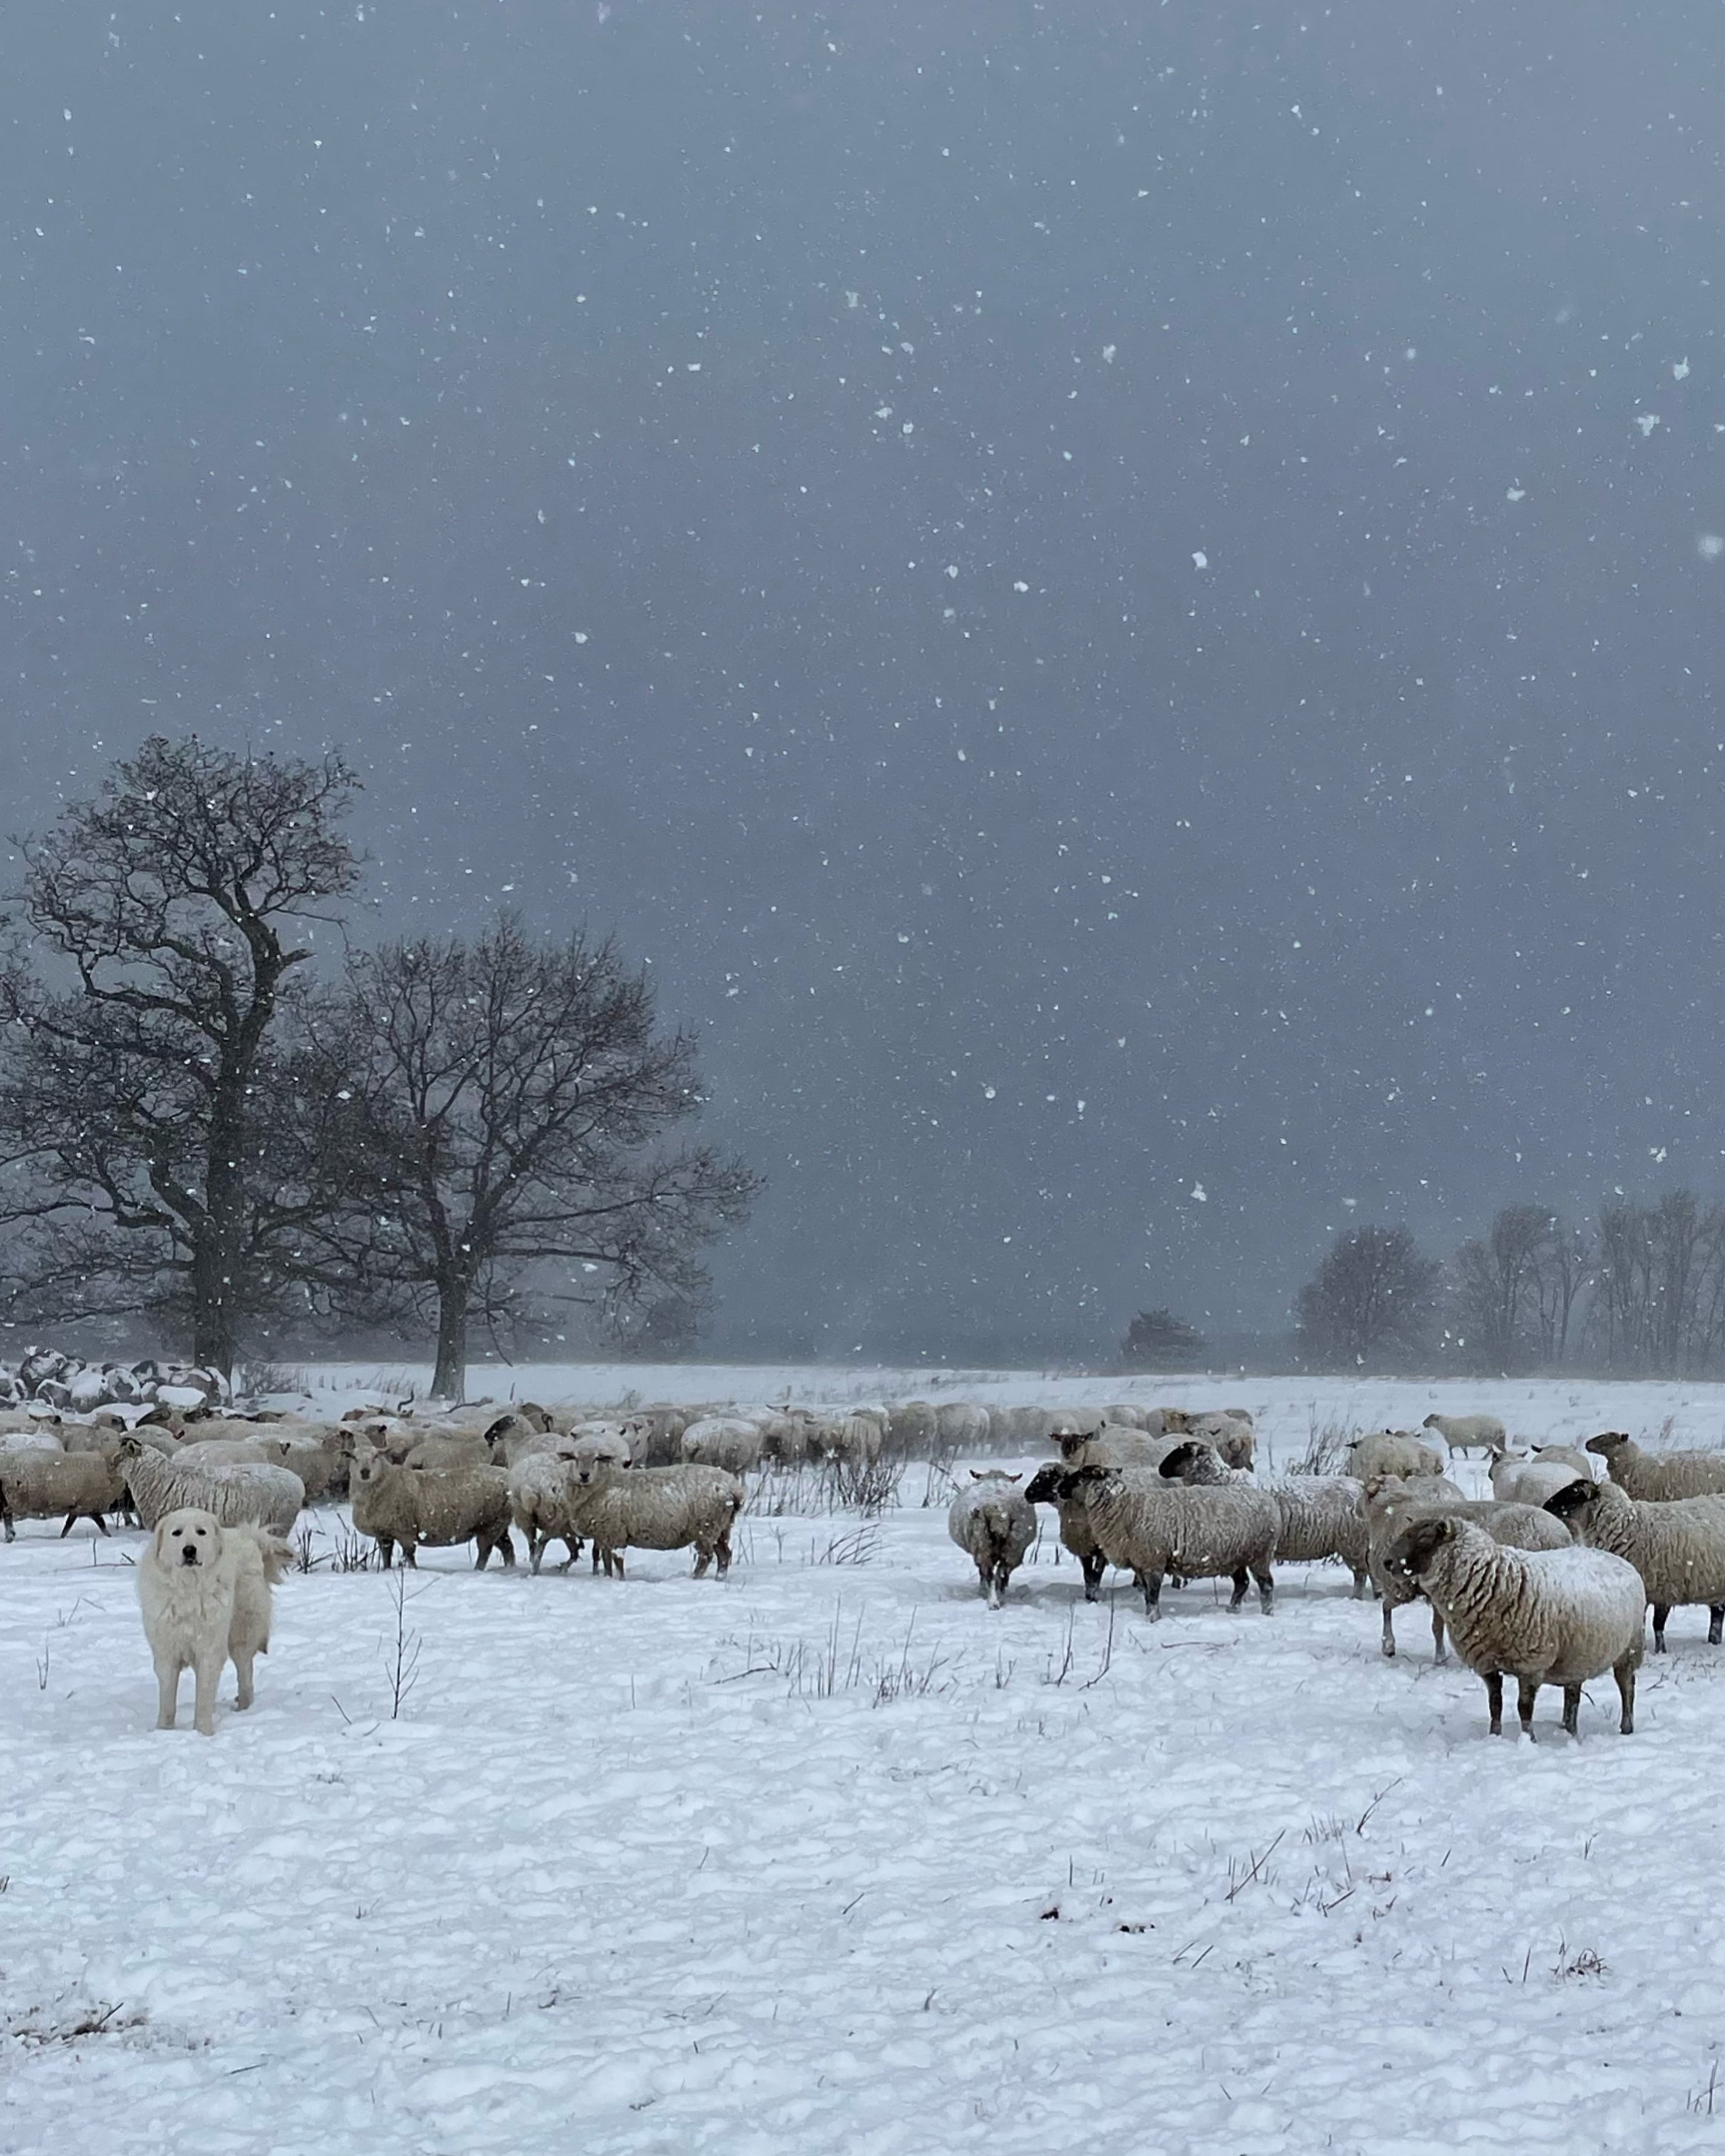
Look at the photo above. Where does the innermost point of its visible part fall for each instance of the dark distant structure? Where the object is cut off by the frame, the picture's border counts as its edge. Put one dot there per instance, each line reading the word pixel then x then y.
pixel 1157 1340
pixel 1371 1304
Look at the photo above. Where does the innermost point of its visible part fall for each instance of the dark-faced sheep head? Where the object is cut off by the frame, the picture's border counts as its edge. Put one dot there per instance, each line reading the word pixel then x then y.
pixel 1411 1554
pixel 1607 1443
pixel 1573 1500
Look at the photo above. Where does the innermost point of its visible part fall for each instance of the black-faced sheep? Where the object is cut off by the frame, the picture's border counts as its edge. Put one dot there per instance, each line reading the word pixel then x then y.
pixel 1677 1545
pixel 1541 1616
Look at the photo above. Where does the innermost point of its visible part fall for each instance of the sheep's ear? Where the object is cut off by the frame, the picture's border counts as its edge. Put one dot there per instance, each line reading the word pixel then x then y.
pixel 976 1474
pixel 1016 1478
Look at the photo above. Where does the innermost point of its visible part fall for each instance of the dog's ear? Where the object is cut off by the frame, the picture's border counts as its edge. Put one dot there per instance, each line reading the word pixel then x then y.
pixel 157 1548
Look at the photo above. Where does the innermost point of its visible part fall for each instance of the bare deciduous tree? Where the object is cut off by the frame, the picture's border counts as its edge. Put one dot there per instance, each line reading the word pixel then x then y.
pixel 1373 1297
pixel 510 1107
pixel 144 1099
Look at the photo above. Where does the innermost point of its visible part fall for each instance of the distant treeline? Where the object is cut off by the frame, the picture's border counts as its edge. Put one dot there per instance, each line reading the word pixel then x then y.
pixel 1638 1291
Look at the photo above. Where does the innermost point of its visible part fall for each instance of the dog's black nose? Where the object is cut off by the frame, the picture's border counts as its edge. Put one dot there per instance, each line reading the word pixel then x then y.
pixel 187 1555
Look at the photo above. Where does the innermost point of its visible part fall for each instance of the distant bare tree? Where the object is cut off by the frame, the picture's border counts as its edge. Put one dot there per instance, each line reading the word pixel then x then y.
pixel 1515 1289
pixel 1661 1299
pixel 1374 1297
pixel 145 1093
pixel 1157 1340
pixel 509 1105
pixel 1563 1271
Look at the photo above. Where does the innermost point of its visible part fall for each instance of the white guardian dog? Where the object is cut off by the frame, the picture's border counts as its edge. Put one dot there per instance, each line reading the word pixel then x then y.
pixel 205 1592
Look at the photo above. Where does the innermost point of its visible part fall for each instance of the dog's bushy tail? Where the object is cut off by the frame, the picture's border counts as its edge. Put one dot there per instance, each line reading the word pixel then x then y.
pixel 277 1555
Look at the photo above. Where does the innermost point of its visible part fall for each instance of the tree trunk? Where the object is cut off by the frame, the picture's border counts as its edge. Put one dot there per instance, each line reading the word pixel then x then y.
pixel 216 1260
pixel 449 1381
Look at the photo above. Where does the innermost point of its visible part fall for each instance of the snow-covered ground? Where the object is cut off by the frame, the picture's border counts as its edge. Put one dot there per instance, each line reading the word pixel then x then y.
pixel 828 1858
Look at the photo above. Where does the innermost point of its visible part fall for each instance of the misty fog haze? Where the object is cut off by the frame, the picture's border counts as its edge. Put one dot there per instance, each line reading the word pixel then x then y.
pixel 1124 601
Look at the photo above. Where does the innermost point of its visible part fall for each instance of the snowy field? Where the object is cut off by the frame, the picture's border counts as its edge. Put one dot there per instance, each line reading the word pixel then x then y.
pixel 828 1858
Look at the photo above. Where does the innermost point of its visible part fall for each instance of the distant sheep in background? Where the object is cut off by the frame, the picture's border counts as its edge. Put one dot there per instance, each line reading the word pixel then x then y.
pixel 1516 1480
pixel 1392 1452
pixel 1479 1433
pixel 726 1441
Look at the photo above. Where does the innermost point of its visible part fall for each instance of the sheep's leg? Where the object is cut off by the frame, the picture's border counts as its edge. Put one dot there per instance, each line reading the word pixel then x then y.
pixel 1389 1629
pixel 506 1549
pixel 572 1543
pixel 1624 1674
pixel 1572 1708
pixel 721 1549
pixel 167 1691
pixel 703 1559
pixel 1715 1614
pixel 1362 1586
pixel 1239 1588
pixel 1266 1588
pixel 410 1554
pixel 1437 1634
pixel 386 1550
pixel 1661 1610
pixel 1151 1583
pixel 1527 1691
pixel 481 1551
pixel 535 1549
pixel 1094 1565
pixel 1494 1700
pixel 67 1528
pixel 101 1524
pixel 208 1674
pixel 1002 1580
pixel 5 1520
pixel 613 1557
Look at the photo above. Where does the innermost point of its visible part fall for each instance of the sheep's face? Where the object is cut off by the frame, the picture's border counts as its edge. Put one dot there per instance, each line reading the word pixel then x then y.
pixel 366 1472
pixel 189 1540
pixel 1044 1487
pixel 1409 1556
pixel 1606 1442
pixel 1573 1502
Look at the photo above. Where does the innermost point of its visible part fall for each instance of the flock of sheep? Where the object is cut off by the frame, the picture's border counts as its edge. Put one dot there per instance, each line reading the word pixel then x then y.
pixel 1547 1581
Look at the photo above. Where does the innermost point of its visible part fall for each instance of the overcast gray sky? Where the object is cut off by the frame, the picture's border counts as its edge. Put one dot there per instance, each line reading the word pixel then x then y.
pixel 1126 601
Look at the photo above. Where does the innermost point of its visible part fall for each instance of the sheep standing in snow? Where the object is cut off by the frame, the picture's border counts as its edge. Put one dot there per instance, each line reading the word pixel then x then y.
pixel 855 1441
pixel 1322 1516
pixel 1655 1477
pixel 914 1428
pixel 45 1486
pixel 1541 1616
pixel 1468 1433
pixel 539 1506
pixel 432 1507
pixel 1392 1452
pixel 729 1442
pixel 1677 1545
pixel 1516 1480
pixel 1570 1455
pixel 961 1426
pixel 1391 1503
pixel 991 1518
pixel 1153 1528
pixel 253 1493
pixel 664 1508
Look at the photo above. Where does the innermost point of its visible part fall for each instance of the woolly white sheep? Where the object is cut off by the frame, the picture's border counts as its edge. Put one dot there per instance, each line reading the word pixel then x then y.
pixel 1676 1544
pixel 1468 1433
pixel 693 1505
pixel 1153 1528
pixel 1322 1516
pixel 991 1519
pixel 430 1508
pixel 1392 1502
pixel 726 1441
pixel 539 1507
pixel 45 1485
pixel 251 1493
pixel 1392 1452
pixel 960 1425
pixel 1516 1480
pixel 1542 1617
pixel 1658 1476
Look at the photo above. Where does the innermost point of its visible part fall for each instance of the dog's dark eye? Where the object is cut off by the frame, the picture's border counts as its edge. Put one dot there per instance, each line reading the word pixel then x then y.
pixel 203 1531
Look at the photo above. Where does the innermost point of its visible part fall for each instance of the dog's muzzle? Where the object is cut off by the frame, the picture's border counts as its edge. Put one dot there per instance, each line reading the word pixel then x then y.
pixel 188 1554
